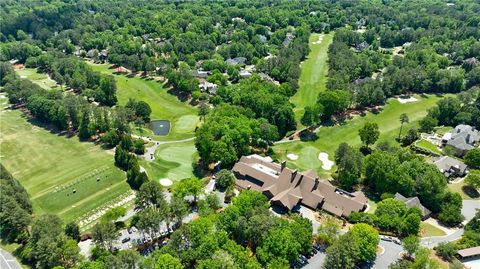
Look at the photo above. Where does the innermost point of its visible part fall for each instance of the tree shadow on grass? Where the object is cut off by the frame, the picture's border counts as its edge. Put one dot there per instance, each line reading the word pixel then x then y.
pixel 470 192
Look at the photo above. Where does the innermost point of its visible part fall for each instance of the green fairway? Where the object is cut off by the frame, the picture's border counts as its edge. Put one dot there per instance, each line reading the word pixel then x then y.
pixel 51 167
pixel 165 106
pixel 314 74
pixel 43 80
pixel 329 137
pixel 173 161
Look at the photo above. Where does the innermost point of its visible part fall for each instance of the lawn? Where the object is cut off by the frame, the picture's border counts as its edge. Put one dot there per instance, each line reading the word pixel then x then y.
pixel 165 106
pixel 313 76
pixel 428 146
pixel 427 229
pixel 329 137
pixel 52 166
pixel 173 161
pixel 43 80
pixel 465 191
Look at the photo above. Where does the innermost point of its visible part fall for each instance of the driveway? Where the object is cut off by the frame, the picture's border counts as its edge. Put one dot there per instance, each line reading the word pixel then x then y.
pixel 7 261
pixel 469 208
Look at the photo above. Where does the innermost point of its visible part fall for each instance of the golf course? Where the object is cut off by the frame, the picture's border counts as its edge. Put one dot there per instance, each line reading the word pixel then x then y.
pixel 165 106
pixel 314 74
pixel 62 175
pixel 329 137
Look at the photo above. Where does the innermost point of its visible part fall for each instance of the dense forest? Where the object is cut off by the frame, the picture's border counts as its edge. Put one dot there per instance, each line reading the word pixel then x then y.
pixel 251 50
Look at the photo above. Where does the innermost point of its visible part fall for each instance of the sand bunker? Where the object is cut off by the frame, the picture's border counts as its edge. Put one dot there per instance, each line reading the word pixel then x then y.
pixel 292 156
pixel 407 100
pixel 166 182
pixel 320 39
pixel 326 163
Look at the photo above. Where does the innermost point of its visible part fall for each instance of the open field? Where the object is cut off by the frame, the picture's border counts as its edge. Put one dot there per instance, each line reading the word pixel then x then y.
pixel 52 166
pixel 165 106
pixel 427 229
pixel 173 161
pixel 43 80
pixel 329 137
pixel 314 74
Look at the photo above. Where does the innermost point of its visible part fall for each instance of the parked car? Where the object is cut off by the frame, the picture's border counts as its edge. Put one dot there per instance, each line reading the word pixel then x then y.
pixel 126 239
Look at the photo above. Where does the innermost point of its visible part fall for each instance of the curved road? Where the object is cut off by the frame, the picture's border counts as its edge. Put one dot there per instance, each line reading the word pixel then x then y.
pixel 7 261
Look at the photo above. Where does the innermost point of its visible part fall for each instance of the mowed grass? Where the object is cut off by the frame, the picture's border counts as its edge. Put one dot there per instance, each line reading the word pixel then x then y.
pixel 428 146
pixel 329 137
pixel 467 192
pixel 427 230
pixel 314 74
pixel 173 161
pixel 165 106
pixel 51 167
pixel 43 80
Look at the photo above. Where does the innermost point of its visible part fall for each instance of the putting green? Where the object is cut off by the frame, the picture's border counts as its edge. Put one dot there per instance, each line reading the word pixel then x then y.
pixel 52 166
pixel 314 74
pixel 173 161
pixel 329 137
pixel 43 80
pixel 164 105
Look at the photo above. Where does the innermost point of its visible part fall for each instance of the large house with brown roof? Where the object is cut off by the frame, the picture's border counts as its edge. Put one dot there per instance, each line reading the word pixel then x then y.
pixel 288 188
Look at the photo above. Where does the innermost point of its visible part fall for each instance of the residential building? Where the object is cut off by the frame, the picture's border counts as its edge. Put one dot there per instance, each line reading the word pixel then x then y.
pixel 288 188
pixel 200 74
pixel 236 61
pixel 469 252
pixel 463 138
pixel 451 167
pixel 209 87
pixel 245 74
pixel 414 202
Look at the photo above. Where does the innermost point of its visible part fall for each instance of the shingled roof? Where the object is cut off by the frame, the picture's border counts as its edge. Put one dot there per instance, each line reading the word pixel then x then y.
pixel 463 137
pixel 413 202
pixel 288 187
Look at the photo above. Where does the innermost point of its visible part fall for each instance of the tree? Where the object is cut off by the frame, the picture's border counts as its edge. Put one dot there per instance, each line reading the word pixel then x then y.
pixel 73 231
pixel 447 250
pixel 411 244
pixel 203 110
pixel 451 213
pixel 403 119
pixel 83 130
pixel 473 179
pixel 178 209
pixel 278 243
pixel 410 224
pixel 369 133
pixel 104 235
pixel 113 214
pixel 167 261
pixel 150 195
pixel 472 158
pixel 224 179
pixel 367 239
pixel 328 230
pixel 349 168
pixel 189 186
pixel 342 254
pixel 410 137
pixel 428 123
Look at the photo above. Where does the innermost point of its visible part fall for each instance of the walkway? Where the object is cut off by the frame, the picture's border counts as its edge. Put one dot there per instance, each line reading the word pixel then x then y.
pixel 7 261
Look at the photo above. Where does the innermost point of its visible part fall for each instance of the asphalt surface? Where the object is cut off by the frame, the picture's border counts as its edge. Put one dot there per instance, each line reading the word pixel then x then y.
pixel 7 261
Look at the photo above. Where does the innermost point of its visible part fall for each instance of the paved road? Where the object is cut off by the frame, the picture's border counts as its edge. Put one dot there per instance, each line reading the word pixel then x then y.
pixel 7 261
pixel 469 208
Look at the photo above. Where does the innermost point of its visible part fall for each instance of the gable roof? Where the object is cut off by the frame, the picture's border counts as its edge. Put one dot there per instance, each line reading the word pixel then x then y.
pixel 447 163
pixel 290 187
pixel 413 202
pixel 463 137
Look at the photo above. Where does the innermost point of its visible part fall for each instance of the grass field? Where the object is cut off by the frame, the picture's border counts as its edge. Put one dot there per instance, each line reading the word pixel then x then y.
pixel 43 80
pixel 329 137
pixel 165 106
pixel 173 161
pixel 427 229
pixel 428 146
pixel 460 188
pixel 51 167
pixel 314 74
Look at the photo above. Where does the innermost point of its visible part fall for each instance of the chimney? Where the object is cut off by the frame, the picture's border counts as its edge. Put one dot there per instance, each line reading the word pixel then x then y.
pixel 283 165
pixel 294 174
pixel 468 139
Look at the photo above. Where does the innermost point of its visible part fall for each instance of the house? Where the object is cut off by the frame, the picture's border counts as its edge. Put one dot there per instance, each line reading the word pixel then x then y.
pixel 209 87
pixel 102 56
pixel 262 38
pixel 92 53
pixel 200 74
pixel 463 138
pixel 236 61
pixel 245 74
pixel 362 46
pixel 469 252
pixel 121 69
pixel 414 202
pixel 451 167
pixel 288 38
pixel 288 188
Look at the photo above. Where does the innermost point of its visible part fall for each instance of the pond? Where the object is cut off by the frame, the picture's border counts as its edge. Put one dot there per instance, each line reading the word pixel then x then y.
pixel 160 127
